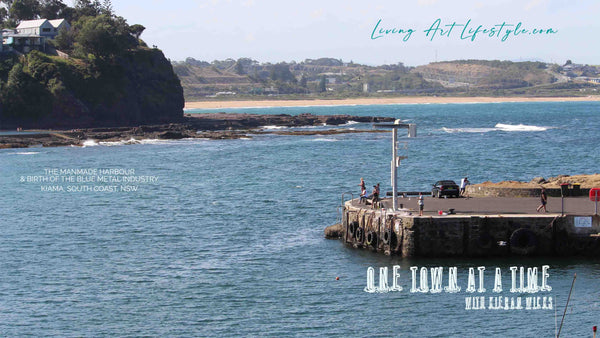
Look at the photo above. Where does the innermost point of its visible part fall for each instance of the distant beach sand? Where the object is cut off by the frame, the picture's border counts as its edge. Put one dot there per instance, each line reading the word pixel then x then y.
pixel 375 101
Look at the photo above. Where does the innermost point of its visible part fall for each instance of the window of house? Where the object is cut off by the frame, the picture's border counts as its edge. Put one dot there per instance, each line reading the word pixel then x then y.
pixel 45 29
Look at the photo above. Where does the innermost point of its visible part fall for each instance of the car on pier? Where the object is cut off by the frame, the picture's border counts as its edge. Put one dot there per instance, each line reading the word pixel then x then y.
pixel 445 188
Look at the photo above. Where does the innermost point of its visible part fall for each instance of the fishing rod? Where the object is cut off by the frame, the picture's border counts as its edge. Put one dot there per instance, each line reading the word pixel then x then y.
pixel 566 305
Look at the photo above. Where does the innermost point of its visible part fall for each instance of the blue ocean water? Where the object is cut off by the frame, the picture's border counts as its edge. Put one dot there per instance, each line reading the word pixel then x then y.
pixel 228 240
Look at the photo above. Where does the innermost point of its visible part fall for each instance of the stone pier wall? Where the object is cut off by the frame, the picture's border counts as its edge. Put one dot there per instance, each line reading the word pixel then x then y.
pixel 468 235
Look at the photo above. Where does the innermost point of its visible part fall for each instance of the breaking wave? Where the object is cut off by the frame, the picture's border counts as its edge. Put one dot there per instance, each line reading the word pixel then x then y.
pixel 519 127
pixel 27 153
pixel 468 130
pixel 89 143
pixel 93 143
pixel 497 127
pixel 274 127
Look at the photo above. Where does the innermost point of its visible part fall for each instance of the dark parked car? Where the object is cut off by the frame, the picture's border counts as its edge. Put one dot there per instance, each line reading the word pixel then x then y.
pixel 445 188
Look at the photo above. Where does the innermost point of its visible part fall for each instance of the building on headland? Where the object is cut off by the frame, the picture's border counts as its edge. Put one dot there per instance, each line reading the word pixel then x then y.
pixel 32 35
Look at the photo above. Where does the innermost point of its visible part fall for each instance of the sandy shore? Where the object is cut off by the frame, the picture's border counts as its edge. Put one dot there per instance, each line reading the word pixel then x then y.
pixel 381 101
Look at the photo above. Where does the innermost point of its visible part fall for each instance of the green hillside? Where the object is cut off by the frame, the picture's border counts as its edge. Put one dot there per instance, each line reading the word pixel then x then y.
pixel 333 78
pixel 97 73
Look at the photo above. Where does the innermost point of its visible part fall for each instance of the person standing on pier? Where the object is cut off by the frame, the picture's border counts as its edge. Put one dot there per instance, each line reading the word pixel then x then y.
pixel 363 190
pixel 362 185
pixel 421 204
pixel 463 185
pixel 544 200
pixel 375 196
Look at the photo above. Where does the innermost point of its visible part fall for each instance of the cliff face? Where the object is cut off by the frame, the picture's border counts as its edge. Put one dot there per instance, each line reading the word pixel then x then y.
pixel 137 87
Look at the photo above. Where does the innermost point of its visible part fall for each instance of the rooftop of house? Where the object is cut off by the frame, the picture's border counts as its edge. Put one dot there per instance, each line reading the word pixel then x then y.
pixel 39 22
pixel 57 22
pixel 31 23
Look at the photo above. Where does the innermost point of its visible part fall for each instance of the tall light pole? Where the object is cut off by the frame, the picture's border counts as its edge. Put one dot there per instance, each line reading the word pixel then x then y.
pixel 412 132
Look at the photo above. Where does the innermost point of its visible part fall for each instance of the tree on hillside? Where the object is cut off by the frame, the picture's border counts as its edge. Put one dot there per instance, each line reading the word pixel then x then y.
pixel 102 36
pixel 323 84
pixel 3 16
pixel 64 40
pixel 88 8
pixel 303 81
pixel 136 30
pixel 51 9
pixel 281 72
pixel 107 7
pixel 239 68
pixel 23 95
pixel 24 10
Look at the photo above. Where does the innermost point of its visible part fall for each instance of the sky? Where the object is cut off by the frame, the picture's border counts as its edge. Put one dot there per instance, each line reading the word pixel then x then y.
pixel 276 31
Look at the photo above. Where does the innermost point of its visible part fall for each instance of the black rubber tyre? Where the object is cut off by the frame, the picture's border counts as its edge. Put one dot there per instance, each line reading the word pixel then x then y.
pixel 352 227
pixel 359 234
pixel 485 241
pixel 386 236
pixel 523 242
pixel 371 238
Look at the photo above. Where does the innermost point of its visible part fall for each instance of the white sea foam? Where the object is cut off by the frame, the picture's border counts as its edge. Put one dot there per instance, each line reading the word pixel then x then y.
pixel 519 127
pixel 89 143
pixel 158 141
pixel 27 153
pixel 306 127
pixel 468 130
pixel 118 143
pixel 352 122
pixel 273 127
pixel 325 140
pixel 497 127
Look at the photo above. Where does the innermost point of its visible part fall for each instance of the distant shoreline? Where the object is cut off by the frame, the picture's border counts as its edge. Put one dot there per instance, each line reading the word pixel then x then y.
pixel 376 101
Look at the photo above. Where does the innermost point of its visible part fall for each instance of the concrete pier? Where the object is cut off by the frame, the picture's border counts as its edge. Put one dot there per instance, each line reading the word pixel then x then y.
pixel 476 227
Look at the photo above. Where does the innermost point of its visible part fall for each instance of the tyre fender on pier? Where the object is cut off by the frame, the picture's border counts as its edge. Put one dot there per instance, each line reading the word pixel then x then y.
pixel 372 238
pixel 352 227
pixel 360 232
pixel 523 242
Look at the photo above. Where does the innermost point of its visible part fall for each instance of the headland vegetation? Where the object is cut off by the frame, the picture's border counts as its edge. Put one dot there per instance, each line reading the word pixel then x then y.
pixel 96 71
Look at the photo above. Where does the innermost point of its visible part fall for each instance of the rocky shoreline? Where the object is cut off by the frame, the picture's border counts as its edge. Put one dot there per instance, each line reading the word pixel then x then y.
pixel 206 126
pixel 584 180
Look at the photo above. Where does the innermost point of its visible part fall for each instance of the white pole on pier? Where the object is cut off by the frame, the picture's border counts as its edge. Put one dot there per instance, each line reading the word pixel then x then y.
pixel 412 132
pixel 394 169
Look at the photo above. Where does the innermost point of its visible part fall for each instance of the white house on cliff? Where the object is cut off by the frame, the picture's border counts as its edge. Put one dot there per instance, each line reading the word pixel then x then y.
pixel 32 34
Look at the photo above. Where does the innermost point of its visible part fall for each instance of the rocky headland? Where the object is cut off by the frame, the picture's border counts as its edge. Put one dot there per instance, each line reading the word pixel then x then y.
pixel 585 181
